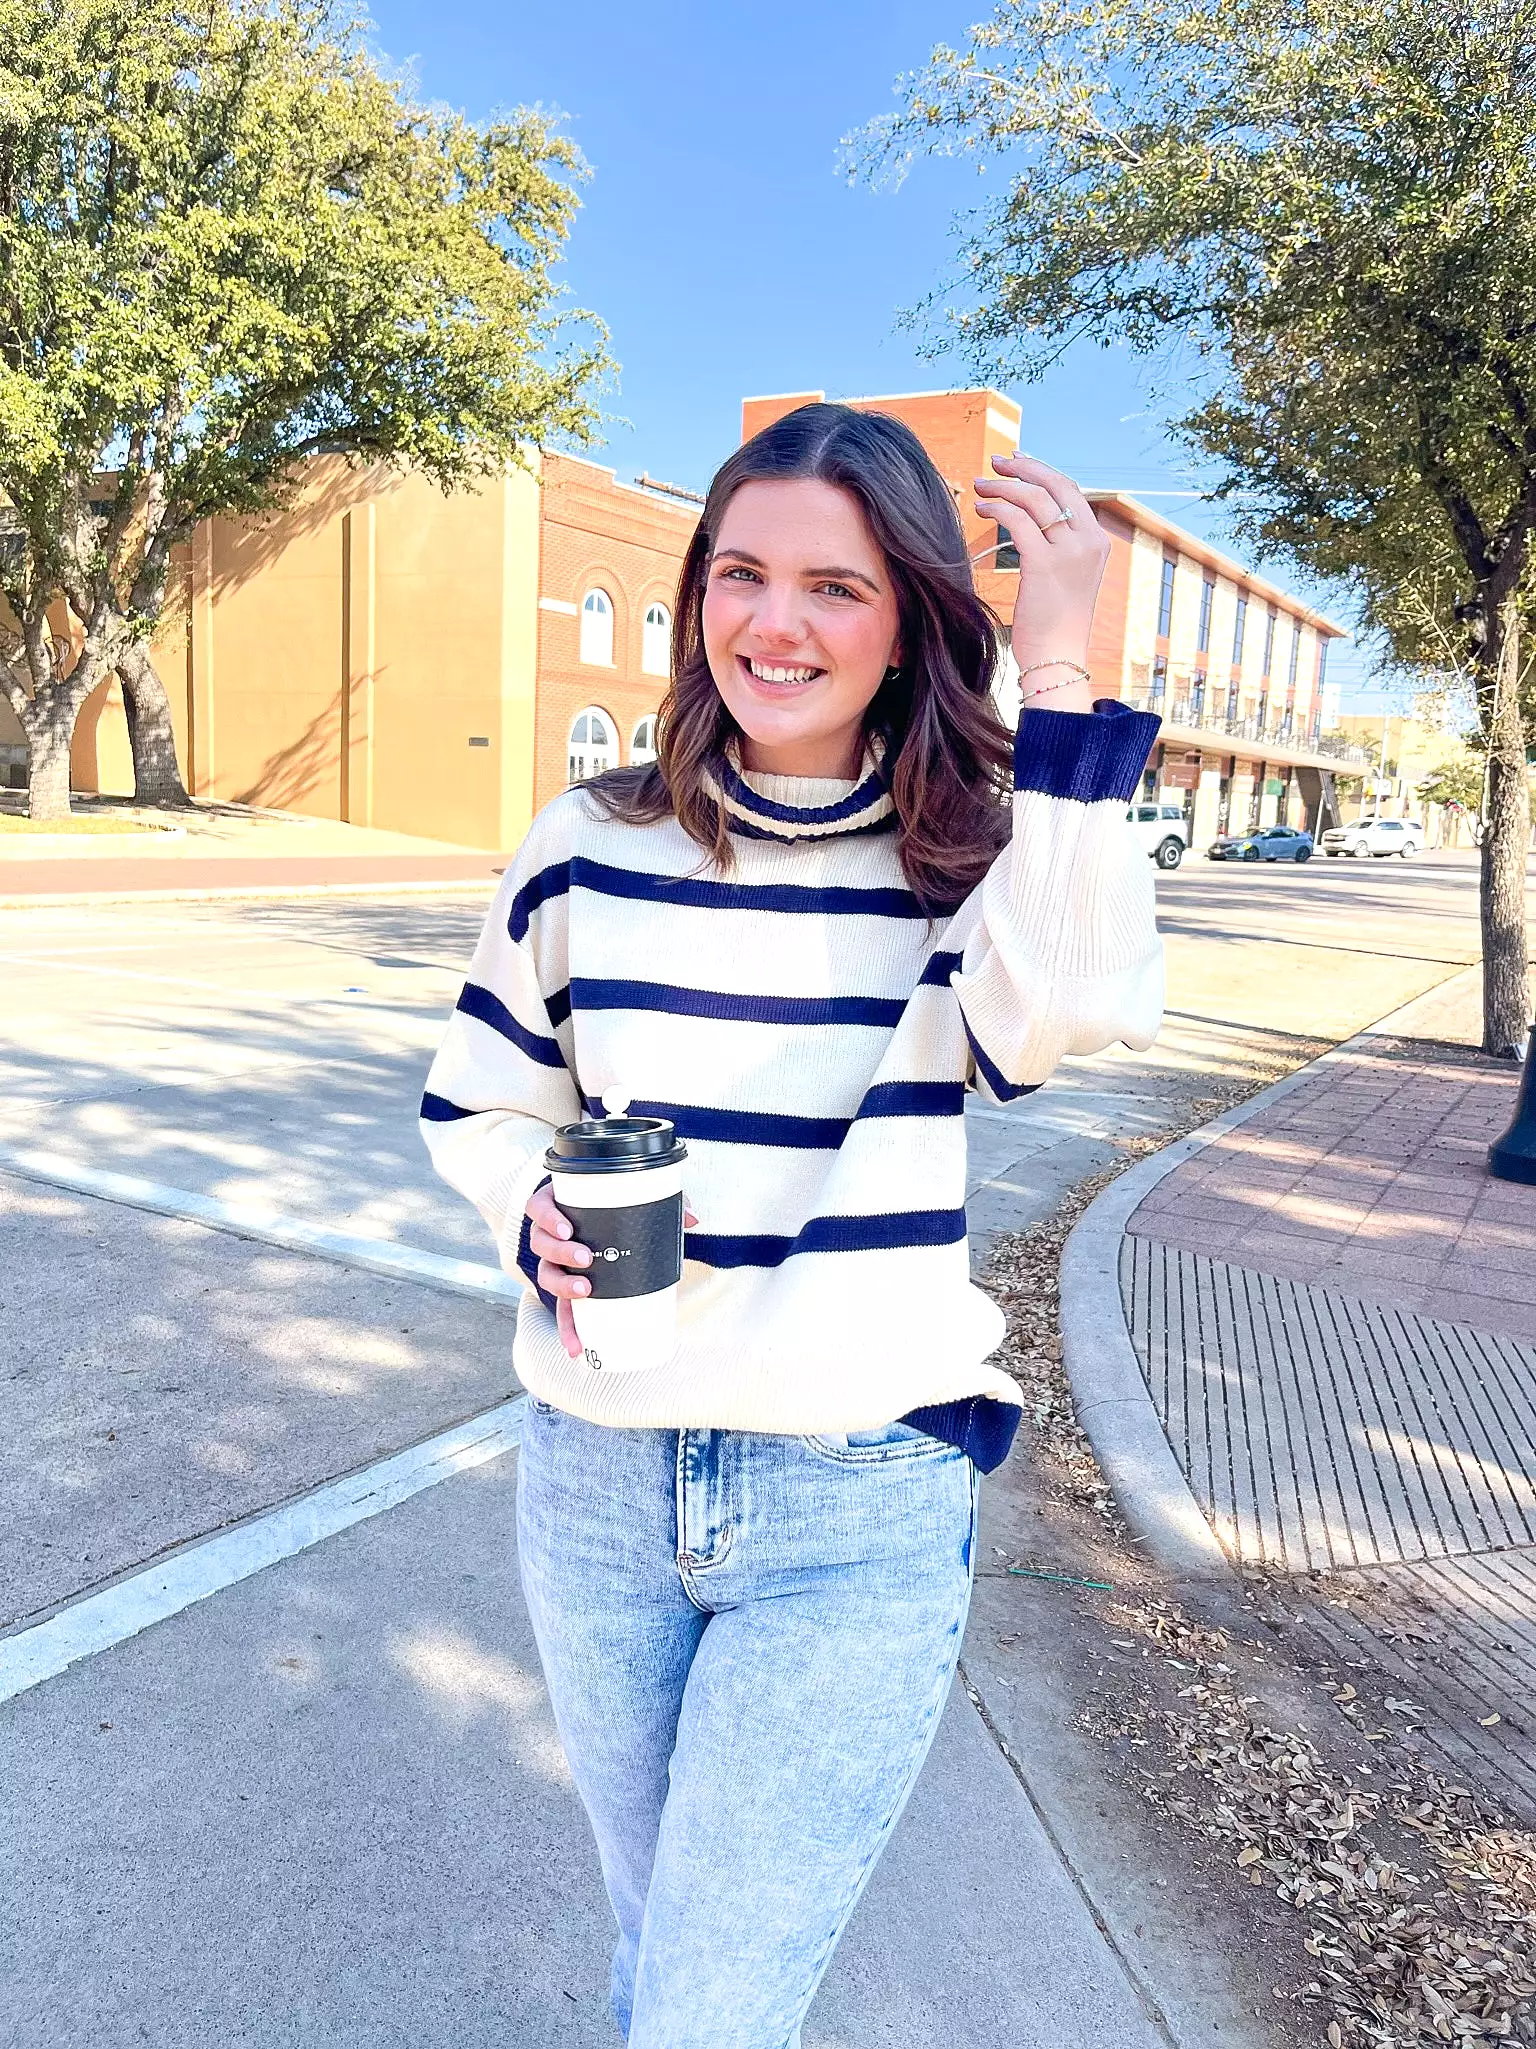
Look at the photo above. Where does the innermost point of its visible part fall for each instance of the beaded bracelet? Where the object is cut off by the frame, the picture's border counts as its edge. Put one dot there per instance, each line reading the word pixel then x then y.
pixel 1046 689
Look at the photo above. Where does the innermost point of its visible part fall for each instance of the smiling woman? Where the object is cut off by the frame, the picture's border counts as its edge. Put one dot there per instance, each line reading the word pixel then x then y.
pixel 788 946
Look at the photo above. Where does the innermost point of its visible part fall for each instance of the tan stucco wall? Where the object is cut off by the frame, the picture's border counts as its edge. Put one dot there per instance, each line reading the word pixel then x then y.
pixel 345 651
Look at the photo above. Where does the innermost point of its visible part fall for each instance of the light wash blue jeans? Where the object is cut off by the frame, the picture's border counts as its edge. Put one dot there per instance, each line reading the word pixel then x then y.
pixel 748 1640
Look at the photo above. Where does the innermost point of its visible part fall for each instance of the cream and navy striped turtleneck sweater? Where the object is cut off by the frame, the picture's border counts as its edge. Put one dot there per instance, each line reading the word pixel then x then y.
pixel 812 1035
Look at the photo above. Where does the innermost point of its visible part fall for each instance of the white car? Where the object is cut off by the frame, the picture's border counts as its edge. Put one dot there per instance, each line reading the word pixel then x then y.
pixel 1374 836
pixel 1162 832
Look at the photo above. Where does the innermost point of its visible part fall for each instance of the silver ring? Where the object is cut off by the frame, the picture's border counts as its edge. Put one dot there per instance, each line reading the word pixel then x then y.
pixel 1060 516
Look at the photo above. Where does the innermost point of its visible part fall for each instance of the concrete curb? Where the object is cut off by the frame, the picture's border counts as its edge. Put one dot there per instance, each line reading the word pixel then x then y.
pixel 1108 1392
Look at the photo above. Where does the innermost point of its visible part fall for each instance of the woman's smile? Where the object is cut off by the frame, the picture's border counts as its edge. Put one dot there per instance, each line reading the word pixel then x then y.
pixel 779 679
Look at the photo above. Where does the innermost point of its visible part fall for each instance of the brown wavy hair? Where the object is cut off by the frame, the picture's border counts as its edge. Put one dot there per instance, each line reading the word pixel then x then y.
pixel 948 754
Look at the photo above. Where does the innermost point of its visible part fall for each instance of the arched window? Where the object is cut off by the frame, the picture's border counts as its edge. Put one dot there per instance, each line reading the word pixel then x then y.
pixel 591 748
pixel 656 641
pixel 642 746
pixel 597 629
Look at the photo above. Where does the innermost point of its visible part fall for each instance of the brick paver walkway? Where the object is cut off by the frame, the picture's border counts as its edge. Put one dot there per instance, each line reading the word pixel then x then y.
pixel 1371 1178
pixel 1334 1308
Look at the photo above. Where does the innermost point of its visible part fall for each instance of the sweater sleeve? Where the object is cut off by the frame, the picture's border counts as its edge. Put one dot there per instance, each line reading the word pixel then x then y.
pixel 1065 956
pixel 501 1080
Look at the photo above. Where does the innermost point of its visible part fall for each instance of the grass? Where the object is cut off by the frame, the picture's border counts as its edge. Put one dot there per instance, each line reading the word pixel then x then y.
pixel 10 822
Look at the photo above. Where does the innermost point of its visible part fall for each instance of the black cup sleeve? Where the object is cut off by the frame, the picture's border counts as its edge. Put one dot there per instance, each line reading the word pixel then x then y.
pixel 634 1251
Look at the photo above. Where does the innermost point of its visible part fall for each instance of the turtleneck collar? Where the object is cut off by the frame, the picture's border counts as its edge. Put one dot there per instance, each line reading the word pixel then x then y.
pixel 795 807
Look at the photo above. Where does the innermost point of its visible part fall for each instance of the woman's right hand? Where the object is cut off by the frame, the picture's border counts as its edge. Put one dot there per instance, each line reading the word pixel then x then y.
pixel 562 1260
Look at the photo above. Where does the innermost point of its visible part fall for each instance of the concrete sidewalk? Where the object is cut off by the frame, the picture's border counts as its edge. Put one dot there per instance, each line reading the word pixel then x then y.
pixel 226 850
pixel 1332 1307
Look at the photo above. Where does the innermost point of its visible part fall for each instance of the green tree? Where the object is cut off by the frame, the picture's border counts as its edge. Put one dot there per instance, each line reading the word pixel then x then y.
pixel 1458 780
pixel 229 240
pixel 1325 211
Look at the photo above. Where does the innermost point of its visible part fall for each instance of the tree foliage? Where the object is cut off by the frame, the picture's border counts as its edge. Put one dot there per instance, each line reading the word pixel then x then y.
pixel 228 239
pixel 1325 211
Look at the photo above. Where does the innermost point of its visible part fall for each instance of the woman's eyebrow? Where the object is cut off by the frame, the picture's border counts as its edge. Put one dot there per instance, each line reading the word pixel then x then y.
pixel 757 562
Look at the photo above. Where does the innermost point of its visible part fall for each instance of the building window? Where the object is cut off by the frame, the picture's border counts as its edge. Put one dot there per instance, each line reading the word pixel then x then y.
pixel 1165 600
pixel 597 629
pixel 642 745
pixel 1159 682
pixel 1197 695
pixel 1207 593
pixel 656 641
pixel 591 748
pixel 1263 708
pixel 1232 702
pixel 1269 641
pixel 1295 656
pixel 1238 631
pixel 1317 723
pixel 1007 555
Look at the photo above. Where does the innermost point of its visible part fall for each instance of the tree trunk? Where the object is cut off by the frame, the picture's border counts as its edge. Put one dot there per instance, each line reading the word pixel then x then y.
pixel 156 772
pixel 1505 844
pixel 49 732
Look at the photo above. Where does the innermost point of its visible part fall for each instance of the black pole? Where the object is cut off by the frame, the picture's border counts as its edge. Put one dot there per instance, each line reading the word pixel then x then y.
pixel 1513 1157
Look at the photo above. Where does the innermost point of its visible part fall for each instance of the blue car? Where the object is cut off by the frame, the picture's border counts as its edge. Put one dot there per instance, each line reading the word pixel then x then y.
pixel 1274 843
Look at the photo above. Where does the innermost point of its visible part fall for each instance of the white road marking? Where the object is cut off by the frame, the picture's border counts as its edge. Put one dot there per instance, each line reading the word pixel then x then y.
pixel 206 1567
pixel 268 1227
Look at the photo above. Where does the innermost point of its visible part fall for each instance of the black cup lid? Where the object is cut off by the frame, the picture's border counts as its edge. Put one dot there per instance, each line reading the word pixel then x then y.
pixel 609 1145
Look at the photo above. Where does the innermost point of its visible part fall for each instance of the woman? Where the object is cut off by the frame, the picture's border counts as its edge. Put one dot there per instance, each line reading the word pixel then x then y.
pixel 801 935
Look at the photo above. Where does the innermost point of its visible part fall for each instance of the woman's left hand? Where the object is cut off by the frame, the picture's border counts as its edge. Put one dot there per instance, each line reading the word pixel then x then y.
pixel 1061 565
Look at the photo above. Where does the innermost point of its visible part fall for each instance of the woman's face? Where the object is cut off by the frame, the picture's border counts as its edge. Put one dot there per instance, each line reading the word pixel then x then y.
pixel 800 624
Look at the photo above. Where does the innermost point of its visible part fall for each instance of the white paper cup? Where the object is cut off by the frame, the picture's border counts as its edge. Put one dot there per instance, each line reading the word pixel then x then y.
pixel 619 1180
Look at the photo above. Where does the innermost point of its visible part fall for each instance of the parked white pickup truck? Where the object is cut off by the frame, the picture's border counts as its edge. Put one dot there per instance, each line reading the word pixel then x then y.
pixel 1162 831
pixel 1376 836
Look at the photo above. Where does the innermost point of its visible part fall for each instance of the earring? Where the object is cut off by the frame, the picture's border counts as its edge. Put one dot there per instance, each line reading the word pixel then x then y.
pixel 892 672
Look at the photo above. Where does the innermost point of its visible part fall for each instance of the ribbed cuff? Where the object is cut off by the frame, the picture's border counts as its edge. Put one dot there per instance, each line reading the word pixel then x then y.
pixel 1087 756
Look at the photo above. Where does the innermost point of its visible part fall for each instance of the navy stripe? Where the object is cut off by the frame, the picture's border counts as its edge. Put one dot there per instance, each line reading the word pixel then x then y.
pixel 438 1110
pixel 558 1005
pixel 1086 756
pixel 806 1134
pixel 589 993
pixel 1005 1091
pixel 981 1426
pixel 870 791
pixel 937 970
pixel 743 1127
pixel 695 892
pixel 914 1099
pixel 490 1010
pixel 886 822
pixel 886 1232
pixel 538 889
pixel 528 1266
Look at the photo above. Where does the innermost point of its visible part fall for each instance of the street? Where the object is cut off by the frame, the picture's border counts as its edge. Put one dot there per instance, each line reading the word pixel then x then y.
pixel 326 1803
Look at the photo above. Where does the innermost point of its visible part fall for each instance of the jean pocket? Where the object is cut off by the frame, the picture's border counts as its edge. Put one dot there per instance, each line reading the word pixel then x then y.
pixel 886 1444
pixel 541 1408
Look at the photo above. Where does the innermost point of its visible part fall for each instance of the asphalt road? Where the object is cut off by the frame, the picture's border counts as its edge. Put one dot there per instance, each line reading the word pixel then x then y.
pixel 163 1380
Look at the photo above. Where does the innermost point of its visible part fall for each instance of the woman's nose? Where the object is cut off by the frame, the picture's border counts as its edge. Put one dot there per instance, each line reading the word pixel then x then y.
pixel 779 617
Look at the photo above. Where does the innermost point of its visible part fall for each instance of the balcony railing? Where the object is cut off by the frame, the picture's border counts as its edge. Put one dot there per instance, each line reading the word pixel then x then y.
pixel 1178 711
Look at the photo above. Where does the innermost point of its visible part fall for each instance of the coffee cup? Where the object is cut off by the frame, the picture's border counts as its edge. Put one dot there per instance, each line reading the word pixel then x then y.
pixel 619 1182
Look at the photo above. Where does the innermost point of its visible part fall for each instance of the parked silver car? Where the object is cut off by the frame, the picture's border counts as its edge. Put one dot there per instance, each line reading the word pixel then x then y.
pixel 1369 837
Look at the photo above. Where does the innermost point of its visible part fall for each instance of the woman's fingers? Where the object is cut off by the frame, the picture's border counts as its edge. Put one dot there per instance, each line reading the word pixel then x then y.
pixel 563 1251
pixel 559 1280
pixel 1067 493
pixel 565 1324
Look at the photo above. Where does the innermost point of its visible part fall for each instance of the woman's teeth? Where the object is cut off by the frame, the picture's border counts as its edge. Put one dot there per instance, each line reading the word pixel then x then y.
pixel 765 674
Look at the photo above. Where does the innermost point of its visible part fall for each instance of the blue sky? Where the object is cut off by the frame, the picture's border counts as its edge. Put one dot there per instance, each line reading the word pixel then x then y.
pixel 723 248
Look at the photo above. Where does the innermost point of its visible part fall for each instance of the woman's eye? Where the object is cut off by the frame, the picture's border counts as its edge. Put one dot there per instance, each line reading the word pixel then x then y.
pixel 837 590
pixel 736 572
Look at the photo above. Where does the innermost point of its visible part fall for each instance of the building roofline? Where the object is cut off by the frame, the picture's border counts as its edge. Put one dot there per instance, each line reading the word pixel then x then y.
pixel 875 398
pixel 1166 529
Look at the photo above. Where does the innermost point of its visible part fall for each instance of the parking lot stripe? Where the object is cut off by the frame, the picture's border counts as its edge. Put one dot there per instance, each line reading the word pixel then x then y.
pixel 207 1566
pixel 268 1227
